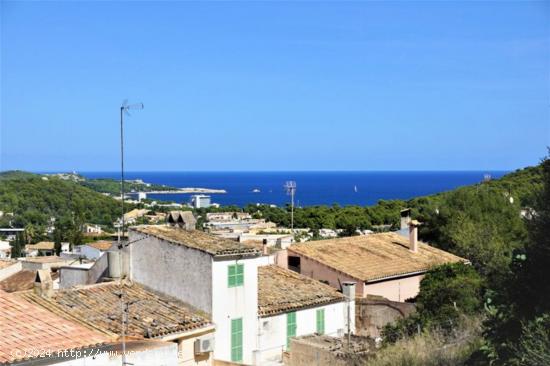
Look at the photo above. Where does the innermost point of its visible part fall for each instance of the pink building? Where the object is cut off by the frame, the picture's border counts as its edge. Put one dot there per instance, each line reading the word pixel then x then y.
pixel 385 264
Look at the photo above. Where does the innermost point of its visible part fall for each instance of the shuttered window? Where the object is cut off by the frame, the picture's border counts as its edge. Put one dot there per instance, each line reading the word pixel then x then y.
pixel 290 327
pixel 235 275
pixel 237 340
pixel 321 321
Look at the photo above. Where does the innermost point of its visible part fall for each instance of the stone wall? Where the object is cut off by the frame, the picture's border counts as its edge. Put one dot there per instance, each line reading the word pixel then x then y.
pixel 372 314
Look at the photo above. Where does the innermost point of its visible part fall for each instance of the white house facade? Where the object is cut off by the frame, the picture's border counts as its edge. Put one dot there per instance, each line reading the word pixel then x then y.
pixel 236 285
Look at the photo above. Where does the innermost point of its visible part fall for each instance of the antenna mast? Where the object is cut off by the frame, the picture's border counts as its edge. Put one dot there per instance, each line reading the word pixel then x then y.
pixel 290 187
pixel 124 108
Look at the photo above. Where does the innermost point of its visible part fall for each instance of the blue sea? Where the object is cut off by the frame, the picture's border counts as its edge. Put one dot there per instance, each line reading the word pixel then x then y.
pixel 313 188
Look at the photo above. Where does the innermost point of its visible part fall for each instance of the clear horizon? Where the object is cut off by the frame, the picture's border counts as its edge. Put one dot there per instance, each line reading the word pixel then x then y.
pixel 275 86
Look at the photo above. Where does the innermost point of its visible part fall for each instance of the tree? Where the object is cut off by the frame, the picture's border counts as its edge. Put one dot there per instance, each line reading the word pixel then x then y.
pixel 30 233
pixel 17 246
pixel 518 328
pixel 57 238
pixel 447 293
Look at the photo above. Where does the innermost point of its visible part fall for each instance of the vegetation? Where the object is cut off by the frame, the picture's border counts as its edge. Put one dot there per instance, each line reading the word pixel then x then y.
pixel 510 256
pixel 448 294
pixel 34 200
pixel 112 186
pixel 518 329
pixel 433 348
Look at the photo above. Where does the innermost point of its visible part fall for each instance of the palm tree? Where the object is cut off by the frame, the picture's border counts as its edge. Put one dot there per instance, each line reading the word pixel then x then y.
pixel 30 233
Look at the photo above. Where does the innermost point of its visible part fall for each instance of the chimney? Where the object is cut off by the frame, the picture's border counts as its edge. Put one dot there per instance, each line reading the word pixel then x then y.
pixel 405 218
pixel 413 236
pixel 264 247
pixel 348 289
pixel 43 284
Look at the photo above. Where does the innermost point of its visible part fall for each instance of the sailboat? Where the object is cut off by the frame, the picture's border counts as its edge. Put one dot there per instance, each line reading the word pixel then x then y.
pixel 355 189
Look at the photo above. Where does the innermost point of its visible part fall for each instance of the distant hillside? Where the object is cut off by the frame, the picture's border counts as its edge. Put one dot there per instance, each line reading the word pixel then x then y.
pixel 34 199
pixel 107 185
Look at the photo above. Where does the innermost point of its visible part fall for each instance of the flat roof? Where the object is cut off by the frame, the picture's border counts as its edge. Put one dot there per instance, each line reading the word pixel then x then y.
pixel 281 290
pixel 375 256
pixel 196 239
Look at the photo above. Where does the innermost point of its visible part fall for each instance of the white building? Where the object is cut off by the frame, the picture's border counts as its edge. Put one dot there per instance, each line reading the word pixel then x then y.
pixel 5 249
pixel 224 279
pixel 92 229
pixel 200 201
pixel 292 305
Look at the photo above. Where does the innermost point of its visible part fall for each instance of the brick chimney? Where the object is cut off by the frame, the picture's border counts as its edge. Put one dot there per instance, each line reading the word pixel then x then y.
pixel 413 235
pixel 43 284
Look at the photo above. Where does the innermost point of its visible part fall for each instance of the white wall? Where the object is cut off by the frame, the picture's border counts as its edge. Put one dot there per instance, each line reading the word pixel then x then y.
pixel 90 252
pixel 272 330
pixel 10 270
pixel 235 302
pixel 172 269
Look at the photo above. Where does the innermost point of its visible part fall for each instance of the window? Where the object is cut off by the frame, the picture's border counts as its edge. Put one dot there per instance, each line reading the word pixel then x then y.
pixel 237 340
pixel 294 263
pixel 235 275
pixel 321 321
pixel 290 327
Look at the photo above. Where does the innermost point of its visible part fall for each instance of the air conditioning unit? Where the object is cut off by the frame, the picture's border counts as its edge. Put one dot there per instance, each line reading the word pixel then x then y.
pixel 204 344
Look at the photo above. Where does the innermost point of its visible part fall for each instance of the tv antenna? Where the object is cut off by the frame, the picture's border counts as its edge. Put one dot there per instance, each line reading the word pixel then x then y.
pixel 124 110
pixel 290 188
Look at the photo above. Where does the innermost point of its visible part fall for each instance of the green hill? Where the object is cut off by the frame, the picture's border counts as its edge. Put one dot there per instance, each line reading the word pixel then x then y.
pixel 34 199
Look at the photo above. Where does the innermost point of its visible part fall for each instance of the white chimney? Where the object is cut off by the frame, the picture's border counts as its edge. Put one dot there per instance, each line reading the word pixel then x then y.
pixel 405 218
pixel 413 236
pixel 348 289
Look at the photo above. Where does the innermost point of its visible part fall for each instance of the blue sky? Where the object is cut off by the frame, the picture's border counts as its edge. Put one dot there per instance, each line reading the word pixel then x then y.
pixel 275 85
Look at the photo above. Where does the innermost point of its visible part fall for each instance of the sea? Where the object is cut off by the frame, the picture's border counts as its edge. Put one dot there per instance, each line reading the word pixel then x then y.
pixel 312 188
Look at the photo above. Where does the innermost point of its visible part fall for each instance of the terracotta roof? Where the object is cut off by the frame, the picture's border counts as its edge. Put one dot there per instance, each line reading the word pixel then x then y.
pixel 281 290
pixel 6 263
pixel 375 256
pixel 26 326
pixel 21 281
pixel 43 245
pixel 197 240
pixel 98 306
pixel 102 245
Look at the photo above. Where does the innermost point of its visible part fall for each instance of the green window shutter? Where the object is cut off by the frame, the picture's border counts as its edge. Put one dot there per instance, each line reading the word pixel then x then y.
pixel 290 327
pixel 239 280
pixel 231 276
pixel 321 321
pixel 237 340
pixel 235 275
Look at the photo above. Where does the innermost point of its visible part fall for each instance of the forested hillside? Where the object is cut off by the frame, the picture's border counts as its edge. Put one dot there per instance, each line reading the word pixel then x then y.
pixel 34 199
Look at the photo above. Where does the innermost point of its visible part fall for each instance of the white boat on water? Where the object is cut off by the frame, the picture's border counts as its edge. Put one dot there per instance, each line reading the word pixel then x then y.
pixel 355 189
pixel 255 190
